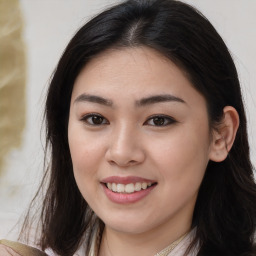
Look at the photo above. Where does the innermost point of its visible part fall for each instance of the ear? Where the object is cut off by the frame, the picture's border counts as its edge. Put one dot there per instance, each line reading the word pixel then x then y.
pixel 224 135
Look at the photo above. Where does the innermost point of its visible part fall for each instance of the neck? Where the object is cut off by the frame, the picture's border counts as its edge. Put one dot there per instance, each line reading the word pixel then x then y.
pixel 148 243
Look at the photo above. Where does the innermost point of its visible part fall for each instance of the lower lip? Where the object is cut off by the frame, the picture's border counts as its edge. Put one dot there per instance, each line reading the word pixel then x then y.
pixel 122 198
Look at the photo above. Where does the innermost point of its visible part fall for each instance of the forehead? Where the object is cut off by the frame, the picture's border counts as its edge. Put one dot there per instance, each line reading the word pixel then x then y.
pixel 134 72
pixel 126 62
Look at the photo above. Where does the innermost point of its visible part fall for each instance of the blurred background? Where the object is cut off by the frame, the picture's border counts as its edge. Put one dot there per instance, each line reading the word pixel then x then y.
pixel 33 35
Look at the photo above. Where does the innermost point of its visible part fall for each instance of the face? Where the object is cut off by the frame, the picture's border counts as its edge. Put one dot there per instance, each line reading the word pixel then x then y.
pixel 139 140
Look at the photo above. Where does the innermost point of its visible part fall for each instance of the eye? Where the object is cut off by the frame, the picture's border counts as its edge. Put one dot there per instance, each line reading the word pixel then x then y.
pixel 160 120
pixel 94 119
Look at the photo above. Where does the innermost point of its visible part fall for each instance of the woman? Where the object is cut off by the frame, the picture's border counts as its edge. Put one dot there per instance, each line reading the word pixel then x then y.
pixel 147 132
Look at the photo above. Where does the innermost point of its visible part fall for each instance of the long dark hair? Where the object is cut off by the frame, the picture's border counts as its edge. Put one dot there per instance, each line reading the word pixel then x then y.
pixel 225 211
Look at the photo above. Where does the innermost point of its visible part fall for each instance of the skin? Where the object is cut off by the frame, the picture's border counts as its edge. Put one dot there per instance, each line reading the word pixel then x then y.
pixel 128 143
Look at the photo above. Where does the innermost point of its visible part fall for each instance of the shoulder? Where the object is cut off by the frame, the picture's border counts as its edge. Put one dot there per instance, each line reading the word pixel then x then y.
pixel 9 248
pixel 7 251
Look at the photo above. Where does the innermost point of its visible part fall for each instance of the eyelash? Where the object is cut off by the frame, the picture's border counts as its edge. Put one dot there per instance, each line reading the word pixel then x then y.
pixel 92 115
pixel 166 120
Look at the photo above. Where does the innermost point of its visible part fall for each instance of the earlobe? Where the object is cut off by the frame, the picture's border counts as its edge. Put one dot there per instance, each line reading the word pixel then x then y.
pixel 225 134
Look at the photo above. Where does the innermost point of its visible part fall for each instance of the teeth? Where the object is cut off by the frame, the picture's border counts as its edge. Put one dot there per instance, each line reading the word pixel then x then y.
pixel 144 185
pixel 120 188
pixel 128 188
pixel 137 186
pixel 114 187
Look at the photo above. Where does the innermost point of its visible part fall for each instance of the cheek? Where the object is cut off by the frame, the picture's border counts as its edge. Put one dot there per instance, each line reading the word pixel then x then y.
pixel 183 157
pixel 86 152
pixel 181 163
pixel 85 155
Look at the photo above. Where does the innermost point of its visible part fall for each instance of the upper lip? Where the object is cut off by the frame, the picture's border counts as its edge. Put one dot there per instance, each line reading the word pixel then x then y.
pixel 125 180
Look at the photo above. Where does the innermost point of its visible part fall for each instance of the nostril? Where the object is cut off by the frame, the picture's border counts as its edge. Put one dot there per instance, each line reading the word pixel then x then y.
pixel 124 156
pixel 122 163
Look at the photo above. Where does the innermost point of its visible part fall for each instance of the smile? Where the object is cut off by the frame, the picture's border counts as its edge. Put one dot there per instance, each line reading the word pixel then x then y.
pixel 128 188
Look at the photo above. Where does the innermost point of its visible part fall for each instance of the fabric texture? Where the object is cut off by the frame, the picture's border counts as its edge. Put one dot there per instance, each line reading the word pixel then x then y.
pixel 7 251
pixel 9 248
pixel 181 248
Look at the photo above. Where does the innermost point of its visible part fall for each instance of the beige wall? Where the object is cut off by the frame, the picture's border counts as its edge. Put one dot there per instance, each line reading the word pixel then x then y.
pixel 49 24
pixel 12 78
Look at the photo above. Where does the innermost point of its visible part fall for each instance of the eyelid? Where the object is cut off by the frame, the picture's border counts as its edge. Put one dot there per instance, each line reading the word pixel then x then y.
pixel 85 118
pixel 171 120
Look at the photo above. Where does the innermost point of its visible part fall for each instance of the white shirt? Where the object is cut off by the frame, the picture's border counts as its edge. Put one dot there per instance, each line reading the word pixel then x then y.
pixel 179 250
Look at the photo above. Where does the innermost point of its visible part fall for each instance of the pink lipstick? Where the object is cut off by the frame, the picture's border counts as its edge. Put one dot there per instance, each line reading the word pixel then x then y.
pixel 124 190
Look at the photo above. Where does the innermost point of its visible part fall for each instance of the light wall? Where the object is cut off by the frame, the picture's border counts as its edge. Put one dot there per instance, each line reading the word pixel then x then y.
pixel 49 24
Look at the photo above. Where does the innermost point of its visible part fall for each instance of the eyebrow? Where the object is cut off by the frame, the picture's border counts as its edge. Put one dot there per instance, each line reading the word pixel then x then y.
pixel 93 98
pixel 140 103
pixel 158 99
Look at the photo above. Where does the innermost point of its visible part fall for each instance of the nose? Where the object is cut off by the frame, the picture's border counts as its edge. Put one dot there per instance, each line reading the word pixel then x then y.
pixel 125 147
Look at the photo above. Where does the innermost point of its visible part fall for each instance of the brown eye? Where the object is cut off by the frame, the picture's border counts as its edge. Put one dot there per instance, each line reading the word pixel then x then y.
pixel 97 120
pixel 160 120
pixel 94 119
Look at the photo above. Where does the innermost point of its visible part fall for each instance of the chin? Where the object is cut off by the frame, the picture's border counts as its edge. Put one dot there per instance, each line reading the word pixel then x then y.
pixel 128 224
pixel 127 228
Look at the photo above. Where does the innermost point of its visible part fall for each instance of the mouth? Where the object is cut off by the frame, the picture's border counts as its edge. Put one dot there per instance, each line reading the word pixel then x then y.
pixel 129 188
